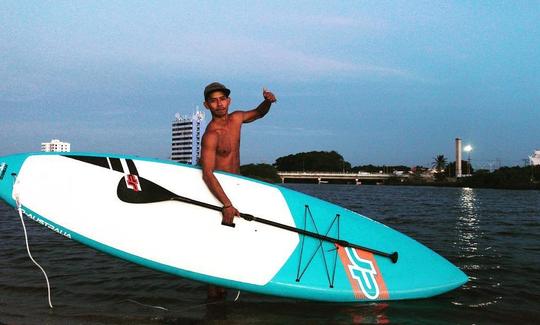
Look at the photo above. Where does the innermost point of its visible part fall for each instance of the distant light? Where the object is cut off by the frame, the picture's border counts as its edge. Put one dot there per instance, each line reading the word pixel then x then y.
pixel 468 148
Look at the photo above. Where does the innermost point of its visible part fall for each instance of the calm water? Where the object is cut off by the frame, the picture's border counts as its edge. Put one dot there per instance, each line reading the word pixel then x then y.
pixel 493 235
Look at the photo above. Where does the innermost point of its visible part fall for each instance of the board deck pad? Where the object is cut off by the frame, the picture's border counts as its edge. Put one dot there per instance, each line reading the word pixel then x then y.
pixel 160 214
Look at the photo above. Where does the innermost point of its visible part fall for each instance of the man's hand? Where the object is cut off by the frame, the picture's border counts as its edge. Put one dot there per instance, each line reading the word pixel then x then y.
pixel 228 215
pixel 269 96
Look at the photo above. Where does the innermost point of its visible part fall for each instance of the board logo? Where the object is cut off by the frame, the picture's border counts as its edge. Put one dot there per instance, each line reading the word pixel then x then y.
pixel 132 182
pixel 46 224
pixel 363 273
pixel 3 168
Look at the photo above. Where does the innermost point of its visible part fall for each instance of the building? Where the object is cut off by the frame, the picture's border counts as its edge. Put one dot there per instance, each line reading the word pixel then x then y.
pixel 535 158
pixel 56 146
pixel 186 137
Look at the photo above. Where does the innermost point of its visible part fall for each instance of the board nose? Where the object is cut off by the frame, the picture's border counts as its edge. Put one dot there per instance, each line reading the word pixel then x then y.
pixel 9 168
pixel 4 179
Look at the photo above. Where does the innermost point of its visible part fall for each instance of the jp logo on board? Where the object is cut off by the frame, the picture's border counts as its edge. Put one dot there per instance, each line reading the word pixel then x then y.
pixel 363 273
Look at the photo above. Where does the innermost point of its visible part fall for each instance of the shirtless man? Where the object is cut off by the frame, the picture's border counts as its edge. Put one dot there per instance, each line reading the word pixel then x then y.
pixel 221 147
pixel 221 140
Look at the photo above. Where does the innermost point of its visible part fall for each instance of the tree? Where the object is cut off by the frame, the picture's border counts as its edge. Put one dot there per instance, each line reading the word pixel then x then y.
pixel 324 161
pixel 375 169
pixel 464 168
pixel 439 163
pixel 505 177
pixel 263 172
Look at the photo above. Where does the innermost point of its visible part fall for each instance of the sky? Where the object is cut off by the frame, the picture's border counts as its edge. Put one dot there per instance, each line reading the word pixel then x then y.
pixel 380 82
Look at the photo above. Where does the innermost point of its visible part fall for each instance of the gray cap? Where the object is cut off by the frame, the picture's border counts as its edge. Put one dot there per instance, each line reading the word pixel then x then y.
pixel 215 86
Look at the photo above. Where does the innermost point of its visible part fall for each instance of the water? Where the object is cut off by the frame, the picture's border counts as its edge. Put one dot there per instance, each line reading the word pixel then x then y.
pixel 492 235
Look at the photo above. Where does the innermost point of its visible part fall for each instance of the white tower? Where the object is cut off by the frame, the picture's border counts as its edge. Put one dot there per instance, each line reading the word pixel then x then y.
pixel 458 157
pixel 186 137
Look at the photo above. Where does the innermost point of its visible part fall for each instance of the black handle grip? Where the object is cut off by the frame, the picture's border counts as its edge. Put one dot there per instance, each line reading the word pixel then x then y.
pixel 228 224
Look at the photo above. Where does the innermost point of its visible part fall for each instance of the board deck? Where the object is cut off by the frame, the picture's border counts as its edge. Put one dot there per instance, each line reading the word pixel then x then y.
pixel 161 215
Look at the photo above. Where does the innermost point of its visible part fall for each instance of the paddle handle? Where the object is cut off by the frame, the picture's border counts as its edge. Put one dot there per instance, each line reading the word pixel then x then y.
pixel 232 225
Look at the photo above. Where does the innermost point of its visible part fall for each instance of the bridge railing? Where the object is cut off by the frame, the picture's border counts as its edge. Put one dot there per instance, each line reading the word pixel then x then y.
pixel 334 174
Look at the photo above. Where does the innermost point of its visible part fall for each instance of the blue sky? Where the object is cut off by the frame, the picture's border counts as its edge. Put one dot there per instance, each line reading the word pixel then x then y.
pixel 382 82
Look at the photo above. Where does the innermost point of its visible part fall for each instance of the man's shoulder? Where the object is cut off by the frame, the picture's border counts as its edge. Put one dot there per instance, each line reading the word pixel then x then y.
pixel 237 117
pixel 236 114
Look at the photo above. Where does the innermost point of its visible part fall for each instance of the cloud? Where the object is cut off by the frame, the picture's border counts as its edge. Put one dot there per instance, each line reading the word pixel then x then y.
pixel 199 53
pixel 240 56
pixel 109 51
pixel 356 21
pixel 289 131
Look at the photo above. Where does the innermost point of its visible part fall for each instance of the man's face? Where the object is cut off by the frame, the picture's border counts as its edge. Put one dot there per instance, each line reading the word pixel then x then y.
pixel 218 103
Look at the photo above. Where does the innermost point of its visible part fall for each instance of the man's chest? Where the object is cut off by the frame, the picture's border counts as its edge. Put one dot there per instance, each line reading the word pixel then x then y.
pixel 228 142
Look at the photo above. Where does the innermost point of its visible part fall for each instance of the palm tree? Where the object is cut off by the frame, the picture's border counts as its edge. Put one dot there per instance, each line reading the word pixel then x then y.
pixel 439 163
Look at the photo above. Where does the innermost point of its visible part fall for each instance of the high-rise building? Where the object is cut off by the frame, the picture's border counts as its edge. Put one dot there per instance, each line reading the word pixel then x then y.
pixel 186 137
pixel 56 146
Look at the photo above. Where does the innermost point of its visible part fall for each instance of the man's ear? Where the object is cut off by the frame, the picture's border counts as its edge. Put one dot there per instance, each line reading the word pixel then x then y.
pixel 206 105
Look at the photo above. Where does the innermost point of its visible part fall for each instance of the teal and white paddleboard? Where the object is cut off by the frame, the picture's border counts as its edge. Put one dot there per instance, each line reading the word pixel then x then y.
pixel 161 215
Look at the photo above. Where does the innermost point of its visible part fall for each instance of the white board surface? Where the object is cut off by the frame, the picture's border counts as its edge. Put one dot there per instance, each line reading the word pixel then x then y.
pixel 82 198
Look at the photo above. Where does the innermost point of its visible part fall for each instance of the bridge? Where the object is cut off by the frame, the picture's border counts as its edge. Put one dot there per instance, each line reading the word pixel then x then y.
pixel 333 177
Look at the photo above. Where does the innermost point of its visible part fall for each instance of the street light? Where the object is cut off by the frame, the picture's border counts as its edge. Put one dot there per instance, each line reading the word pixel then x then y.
pixel 468 149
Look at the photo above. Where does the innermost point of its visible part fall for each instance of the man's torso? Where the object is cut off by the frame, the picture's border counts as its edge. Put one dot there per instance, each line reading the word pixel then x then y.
pixel 228 143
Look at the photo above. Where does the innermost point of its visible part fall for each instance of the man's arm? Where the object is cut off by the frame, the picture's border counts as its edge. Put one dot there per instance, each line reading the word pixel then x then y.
pixel 262 109
pixel 208 161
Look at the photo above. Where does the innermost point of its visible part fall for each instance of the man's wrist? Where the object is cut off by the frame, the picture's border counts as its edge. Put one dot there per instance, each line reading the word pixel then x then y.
pixel 226 206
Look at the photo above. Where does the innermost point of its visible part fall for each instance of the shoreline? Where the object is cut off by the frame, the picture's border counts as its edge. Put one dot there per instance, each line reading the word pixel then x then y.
pixel 534 186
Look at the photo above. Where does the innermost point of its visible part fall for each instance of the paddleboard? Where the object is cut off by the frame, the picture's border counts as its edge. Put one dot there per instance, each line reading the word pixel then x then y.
pixel 160 214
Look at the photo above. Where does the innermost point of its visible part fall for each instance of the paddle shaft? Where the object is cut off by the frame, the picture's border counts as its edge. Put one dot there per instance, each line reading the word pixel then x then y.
pixel 392 256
